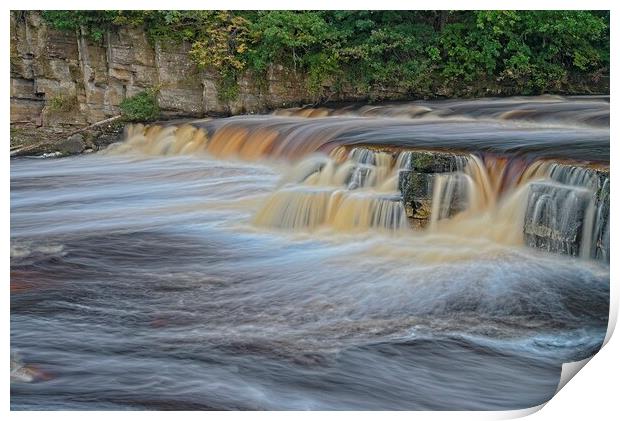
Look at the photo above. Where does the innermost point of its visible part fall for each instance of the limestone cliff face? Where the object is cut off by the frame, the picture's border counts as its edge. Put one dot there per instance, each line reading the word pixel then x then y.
pixel 68 79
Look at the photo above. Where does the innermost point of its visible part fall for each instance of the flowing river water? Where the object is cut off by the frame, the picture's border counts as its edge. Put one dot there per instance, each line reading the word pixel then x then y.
pixel 267 262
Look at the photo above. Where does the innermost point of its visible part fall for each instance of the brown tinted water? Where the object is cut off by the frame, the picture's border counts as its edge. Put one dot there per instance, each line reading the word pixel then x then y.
pixel 266 263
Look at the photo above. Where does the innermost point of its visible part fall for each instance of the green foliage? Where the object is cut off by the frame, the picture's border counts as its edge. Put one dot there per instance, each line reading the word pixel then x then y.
pixel 219 46
pixel 423 162
pixel 413 52
pixel 221 43
pixel 140 107
pixel 228 86
pixel 94 22
pixel 540 49
pixel 62 103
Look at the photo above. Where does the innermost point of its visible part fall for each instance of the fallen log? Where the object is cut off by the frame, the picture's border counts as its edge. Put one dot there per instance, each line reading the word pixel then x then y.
pixel 92 126
pixel 60 142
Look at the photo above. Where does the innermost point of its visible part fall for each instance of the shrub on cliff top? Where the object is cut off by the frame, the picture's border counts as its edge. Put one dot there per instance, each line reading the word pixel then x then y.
pixel 140 107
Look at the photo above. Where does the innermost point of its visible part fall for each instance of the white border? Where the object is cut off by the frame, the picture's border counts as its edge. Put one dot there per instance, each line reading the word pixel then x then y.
pixel 591 395
pixel 315 4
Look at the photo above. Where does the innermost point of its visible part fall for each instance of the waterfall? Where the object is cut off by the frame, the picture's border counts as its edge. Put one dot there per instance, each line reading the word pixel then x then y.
pixel 295 208
pixel 160 140
pixel 574 176
pixel 601 224
pixel 558 216
pixel 451 194
pixel 357 194
pixel 362 156
pixel 551 206
pixel 556 206
pixel 570 212
pixel 302 208
pixel 361 210
pixel 403 162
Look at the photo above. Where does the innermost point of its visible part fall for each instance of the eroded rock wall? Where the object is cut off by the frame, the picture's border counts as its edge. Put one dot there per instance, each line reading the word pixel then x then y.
pixel 67 78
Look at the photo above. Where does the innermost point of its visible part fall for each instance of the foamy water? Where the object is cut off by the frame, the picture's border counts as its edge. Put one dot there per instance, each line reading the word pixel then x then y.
pixel 162 278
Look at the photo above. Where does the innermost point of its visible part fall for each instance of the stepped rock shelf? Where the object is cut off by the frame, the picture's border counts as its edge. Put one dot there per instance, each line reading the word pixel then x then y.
pixel 525 170
pixel 560 205
pixel 568 215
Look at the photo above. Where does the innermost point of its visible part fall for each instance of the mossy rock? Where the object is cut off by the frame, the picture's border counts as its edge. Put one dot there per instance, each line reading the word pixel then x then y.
pixel 422 209
pixel 432 162
pixel 414 186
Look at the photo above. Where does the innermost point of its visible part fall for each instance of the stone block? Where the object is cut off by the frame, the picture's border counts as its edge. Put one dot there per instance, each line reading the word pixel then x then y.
pixel 95 95
pixel 187 101
pixel 120 55
pixel 113 95
pixel 22 88
pixel 417 190
pixel 26 110
pixel 175 68
pixel 143 51
pixel 67 88
pixel 62 45
pixel 144 76
pixel 48 87
pixel 415 185
pixel 210 95
pixel 417 193
pixel 555 216
pixel 120 74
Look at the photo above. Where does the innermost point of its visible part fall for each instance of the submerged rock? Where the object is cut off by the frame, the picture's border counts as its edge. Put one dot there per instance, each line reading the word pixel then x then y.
pixel 25 373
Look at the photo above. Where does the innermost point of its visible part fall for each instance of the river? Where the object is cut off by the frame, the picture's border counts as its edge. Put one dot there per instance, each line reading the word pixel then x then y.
pixel 174 272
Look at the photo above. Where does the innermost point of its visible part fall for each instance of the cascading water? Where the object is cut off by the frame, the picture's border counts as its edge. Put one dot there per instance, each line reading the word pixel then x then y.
pixel 452 192
pixel 322 190
pixel 348 196
pixel 569 214
pixel 158 140
pixel 574 176
pixel 557 216
pixel 373 258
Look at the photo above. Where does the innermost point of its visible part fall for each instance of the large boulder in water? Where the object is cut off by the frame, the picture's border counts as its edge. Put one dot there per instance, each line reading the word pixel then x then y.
pixel 416 183
pixel 417 193
pixel 72 145
pixel 417 190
